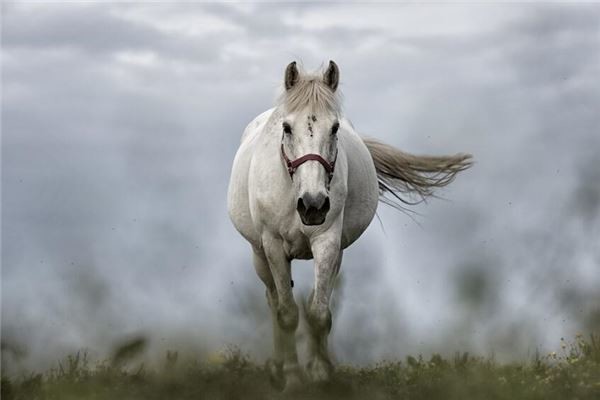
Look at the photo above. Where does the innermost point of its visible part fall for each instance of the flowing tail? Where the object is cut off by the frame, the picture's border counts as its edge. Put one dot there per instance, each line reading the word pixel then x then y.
pixel 413 176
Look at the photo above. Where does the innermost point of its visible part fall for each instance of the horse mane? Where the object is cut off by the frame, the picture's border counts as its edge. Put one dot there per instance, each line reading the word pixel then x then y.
pixel 400 173
pixel 311 92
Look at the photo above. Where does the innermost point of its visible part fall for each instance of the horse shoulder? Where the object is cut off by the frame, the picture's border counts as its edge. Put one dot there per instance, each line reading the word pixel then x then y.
pixel 268 183
pixel 238 202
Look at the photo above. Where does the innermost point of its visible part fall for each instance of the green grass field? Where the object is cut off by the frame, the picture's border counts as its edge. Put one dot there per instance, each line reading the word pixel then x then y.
pixel 571 373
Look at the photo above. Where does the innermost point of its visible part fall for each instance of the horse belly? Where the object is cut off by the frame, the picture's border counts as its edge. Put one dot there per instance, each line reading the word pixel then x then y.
pixel 356 220
pixel 363 191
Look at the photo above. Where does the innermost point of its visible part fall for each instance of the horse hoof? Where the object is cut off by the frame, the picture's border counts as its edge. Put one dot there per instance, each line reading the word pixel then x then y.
pixel 319 370
pixel 293 384
pixel 275 370
pixel 294 379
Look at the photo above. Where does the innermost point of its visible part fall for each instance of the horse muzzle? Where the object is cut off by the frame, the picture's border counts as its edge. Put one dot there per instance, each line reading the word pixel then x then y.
pixel 313 208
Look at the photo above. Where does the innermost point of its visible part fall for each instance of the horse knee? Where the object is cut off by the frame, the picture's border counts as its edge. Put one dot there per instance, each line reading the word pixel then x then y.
pixel 271 294
pixel 288 317
pixel 320 320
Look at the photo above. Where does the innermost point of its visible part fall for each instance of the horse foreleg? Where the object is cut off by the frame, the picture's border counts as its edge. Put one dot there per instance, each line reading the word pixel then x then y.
pixel 328 257
pixel 285 310
pixel 275 364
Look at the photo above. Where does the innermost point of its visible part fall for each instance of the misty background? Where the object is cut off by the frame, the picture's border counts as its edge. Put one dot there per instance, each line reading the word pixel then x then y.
pixel 120 123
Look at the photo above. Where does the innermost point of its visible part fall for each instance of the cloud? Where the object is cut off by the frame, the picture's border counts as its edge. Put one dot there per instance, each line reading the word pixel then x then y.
pixel 91 28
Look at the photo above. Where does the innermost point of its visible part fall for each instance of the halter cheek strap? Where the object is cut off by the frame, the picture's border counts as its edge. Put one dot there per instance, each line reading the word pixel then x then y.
pixel 292 166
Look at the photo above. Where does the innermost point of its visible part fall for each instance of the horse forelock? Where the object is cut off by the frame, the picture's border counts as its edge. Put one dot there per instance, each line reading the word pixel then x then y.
pixel 310 93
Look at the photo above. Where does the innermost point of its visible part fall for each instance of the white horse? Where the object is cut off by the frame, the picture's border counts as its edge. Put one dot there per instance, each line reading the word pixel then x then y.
pixel 305 185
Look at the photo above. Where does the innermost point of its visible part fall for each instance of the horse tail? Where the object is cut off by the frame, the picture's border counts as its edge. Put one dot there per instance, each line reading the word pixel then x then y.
pixel 409 179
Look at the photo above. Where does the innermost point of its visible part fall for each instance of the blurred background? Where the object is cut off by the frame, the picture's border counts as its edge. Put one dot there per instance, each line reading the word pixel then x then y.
pixel 120 123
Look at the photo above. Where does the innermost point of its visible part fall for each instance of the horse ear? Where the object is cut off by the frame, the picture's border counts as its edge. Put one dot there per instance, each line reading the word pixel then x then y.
pixel 291 75
pixel 331 77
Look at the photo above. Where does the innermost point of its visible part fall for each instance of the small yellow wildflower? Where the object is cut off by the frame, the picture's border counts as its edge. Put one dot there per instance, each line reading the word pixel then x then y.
pixel 216 358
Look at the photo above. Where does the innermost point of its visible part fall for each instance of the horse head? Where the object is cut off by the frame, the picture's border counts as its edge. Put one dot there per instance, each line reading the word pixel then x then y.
pixel 309 138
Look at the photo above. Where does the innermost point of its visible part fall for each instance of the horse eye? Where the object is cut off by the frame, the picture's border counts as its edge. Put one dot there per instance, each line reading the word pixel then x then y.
pixel 287 128
pixel 335 128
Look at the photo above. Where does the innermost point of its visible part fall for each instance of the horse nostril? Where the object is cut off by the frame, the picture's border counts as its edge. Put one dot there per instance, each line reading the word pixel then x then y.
pixel 326 205
pixel 301 207
pixel 317 202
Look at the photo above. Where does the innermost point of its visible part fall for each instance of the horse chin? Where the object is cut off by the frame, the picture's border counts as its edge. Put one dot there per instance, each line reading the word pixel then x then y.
pixel 312 220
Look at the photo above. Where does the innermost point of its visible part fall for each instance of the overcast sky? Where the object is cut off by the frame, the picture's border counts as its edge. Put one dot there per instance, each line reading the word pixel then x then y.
pixel 120 123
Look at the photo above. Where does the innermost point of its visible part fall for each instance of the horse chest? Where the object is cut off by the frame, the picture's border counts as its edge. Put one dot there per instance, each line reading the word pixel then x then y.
pixel 296 245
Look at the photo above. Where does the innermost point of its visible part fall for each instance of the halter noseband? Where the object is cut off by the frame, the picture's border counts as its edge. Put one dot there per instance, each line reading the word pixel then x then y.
pixel 292 166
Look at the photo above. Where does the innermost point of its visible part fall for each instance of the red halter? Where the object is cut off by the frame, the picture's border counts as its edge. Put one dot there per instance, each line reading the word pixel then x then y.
pixel 292 166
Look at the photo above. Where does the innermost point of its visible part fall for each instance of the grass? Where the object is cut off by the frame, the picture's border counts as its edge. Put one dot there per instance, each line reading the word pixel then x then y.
pixel 573 373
